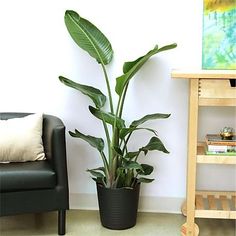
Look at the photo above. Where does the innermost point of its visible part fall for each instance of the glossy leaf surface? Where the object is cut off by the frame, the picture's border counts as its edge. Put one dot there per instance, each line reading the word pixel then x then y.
pixel 131 68
pixel 96 95
pixel 149 117
pixel 98 143
pixel 107 117
pixel 88 37
pixel 154 144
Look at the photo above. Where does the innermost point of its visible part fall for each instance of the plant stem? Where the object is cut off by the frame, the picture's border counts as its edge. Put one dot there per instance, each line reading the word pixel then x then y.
pixel 108 88
pixel 129 177
pixel 110 151
pixel 134 180
pixel 107 136
pixel 119 109
pixel 122 100
pixel 115 138
pixel 106 168
pixel 125 142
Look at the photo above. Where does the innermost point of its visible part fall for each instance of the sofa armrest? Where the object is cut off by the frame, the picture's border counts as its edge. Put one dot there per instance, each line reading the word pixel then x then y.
pixel 55 147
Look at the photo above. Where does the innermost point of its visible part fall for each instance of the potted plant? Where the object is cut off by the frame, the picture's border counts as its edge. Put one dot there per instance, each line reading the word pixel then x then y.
pixel 118 179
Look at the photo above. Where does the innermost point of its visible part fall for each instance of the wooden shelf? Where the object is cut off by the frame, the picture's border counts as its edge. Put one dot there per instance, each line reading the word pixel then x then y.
pixel 220 205
pixel 217 102
pixel 213 159
pixel 203 74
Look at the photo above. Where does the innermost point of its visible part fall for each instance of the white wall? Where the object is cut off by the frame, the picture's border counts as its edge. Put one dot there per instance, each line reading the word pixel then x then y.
pixel 36 48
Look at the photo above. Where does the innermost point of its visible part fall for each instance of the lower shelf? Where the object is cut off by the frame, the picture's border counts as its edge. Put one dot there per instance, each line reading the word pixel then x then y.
pixel 213 159
pixel 221 205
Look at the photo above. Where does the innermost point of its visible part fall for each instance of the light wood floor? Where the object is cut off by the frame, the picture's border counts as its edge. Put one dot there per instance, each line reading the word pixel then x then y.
pixel 87 223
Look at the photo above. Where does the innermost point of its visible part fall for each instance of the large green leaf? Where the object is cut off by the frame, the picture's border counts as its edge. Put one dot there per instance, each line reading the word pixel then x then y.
pixel 146 169
pixel 126 131
pixel 95 94
pixel 98 143
pixel 118 151
pixel 149 117
pixel 131 68
pixel 107 117
pixel 88 37
pixel 167 47
pixel 154 144
pixel 132 165
pixel 96 173
pixel 144 180
pixel 131 155
pixel 128 65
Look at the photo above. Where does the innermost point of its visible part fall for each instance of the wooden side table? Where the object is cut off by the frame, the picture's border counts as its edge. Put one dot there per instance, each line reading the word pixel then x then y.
pixel 206 88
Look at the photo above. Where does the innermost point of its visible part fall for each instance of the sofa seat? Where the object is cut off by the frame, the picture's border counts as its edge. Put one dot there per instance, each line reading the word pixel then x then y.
pixel 26 176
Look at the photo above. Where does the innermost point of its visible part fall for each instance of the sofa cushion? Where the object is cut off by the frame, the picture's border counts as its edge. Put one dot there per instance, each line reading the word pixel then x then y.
pixel 21 139
pixel 20 176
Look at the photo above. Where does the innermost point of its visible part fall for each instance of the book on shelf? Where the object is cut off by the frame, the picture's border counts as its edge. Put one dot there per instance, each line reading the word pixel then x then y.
pixel 215 139
pixel 218 153
pixel 215 145
pixel 221 148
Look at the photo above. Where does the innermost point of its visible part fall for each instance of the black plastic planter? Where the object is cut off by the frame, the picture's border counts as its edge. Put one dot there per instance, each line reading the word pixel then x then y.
pixel 118 207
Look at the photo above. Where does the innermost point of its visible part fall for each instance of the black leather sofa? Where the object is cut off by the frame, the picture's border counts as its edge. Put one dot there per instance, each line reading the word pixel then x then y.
pixel 38 186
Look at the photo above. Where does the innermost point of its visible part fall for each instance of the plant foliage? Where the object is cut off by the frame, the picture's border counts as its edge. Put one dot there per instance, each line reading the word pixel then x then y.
pixel 120 166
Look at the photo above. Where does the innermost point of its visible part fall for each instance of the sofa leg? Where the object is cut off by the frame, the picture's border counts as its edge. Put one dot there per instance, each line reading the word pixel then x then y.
pixel 61 222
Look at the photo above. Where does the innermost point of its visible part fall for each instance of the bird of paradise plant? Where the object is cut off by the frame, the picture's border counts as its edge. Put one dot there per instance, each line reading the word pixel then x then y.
pixel 120 166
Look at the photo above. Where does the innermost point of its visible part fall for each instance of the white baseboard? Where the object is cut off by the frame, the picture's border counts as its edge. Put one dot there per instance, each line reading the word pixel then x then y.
pixel 146 203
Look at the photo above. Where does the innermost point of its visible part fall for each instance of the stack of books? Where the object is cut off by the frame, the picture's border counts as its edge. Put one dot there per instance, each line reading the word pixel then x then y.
pixel 215 145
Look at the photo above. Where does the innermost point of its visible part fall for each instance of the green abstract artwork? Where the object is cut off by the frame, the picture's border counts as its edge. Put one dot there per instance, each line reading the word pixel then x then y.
pixel 219 35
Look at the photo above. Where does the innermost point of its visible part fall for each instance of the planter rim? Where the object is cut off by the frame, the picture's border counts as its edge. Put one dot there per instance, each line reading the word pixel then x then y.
pixel 117 189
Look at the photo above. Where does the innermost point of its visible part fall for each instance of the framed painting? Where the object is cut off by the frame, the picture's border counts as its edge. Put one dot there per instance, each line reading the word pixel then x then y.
pixel 219 35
